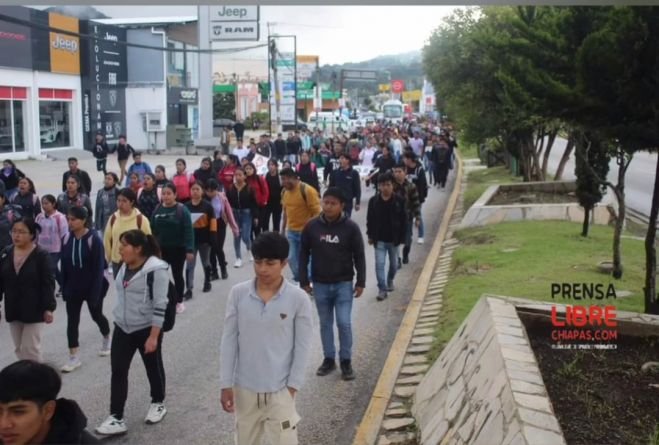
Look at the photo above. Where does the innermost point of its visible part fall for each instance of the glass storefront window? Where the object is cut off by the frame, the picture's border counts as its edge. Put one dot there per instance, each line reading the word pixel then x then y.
pixel 12 129
pixel 19 127
pixel 54 124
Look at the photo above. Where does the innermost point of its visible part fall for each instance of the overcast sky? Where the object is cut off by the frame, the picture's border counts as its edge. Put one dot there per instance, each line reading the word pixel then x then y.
pixel 337 34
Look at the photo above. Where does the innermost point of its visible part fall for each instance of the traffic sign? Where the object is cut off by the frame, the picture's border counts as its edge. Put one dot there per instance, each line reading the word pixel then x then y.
pixel 397 86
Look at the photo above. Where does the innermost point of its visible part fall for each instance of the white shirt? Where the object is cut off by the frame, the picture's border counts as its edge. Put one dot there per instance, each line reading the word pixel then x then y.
pixel 240 152
pixel 366 156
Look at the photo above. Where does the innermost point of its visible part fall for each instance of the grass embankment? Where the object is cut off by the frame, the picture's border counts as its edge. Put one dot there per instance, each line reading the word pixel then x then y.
pixel 522 259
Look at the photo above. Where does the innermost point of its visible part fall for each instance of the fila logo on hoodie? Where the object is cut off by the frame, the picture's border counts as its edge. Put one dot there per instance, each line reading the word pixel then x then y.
pixel 332 239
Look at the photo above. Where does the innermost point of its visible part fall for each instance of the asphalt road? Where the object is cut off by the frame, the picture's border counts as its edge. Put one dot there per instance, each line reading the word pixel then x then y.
pixel 331 408
pixel 639 180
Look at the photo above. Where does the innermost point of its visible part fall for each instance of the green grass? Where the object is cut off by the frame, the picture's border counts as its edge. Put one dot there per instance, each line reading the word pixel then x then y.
pixel 479 180
pixel 547 252
pixel 468 151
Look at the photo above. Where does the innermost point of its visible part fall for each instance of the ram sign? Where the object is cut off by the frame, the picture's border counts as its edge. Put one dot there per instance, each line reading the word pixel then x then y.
pixel 228 31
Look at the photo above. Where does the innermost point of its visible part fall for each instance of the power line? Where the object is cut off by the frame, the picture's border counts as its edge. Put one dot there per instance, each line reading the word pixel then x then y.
pixel 29 24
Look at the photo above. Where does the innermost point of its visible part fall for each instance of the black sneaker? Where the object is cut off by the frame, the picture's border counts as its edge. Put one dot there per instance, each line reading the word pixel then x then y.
pixel 399 263
pixel 381 295
pixel 214 276
pixel 346 370
pixel 328 366
pixel 207 287
pixel 406 259
pixel 225 274
pixel 187 295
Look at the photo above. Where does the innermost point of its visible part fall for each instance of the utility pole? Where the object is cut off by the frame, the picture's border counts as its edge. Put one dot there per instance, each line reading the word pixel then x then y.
pixel 273 61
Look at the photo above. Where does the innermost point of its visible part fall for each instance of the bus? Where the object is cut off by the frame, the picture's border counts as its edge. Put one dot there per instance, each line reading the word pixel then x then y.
pixel 392 111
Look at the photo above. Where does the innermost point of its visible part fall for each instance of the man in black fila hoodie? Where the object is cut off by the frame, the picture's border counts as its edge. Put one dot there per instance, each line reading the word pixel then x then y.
pixel 336 247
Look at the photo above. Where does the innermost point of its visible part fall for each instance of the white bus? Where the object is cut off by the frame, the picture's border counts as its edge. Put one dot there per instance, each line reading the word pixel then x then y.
pixel 392 111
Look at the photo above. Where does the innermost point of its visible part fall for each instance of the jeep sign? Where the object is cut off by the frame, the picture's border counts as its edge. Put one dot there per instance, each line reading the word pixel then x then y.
pixel 64 43
pixel 177 95
pixel 243 13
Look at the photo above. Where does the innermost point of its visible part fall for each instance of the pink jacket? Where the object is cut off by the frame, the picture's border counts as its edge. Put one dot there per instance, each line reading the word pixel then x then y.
pixel 53 229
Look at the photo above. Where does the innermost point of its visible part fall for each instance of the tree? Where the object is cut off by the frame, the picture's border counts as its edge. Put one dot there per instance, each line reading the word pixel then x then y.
pixel 224 106
pixel 592 164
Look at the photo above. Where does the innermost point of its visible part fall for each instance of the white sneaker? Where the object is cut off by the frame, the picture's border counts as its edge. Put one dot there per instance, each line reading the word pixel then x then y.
pixel 251 258
pixel 73 364
pixel 112 426
pixel 105 348
pixel 238 263
pixel 180 308
pixel 156 413
pixel 420 241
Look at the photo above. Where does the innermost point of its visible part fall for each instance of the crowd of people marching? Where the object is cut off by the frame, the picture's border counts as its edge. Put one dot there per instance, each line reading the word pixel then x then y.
pixel 145 227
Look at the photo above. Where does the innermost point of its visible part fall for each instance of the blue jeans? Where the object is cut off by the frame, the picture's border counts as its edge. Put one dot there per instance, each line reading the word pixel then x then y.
pixel 294 244
pixel 335 298
pixel 421 229
pixel 244 222
pixel 383 249
pixel 347 209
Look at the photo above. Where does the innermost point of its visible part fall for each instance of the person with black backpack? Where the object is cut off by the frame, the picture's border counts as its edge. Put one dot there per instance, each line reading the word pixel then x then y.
pixel 142 313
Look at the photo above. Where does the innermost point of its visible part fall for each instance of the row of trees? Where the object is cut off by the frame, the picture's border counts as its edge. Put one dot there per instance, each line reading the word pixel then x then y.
pixel 517 77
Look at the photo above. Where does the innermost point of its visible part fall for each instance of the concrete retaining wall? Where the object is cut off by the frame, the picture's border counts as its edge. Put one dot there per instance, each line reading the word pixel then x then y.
pixel 486 387
pixel 481 213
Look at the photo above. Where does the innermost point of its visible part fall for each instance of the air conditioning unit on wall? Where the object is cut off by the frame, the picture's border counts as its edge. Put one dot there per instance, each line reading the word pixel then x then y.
pixel 152 121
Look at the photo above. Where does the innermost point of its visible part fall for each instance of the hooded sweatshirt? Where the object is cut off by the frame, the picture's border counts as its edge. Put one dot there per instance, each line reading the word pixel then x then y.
pixel 337 249
pixel 135 310
pixel 68 425
pixel 121 224
pixel 53 229
pixel 82 267
pixel 106 205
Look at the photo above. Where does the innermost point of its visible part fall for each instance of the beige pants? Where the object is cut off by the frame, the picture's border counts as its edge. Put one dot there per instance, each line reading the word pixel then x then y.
pixel 27 340
pixel 265 418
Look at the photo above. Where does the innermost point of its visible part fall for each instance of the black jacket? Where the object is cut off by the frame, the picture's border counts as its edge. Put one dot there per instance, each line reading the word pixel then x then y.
pixel 280 148
pixel 68 425
pixel 349 182
pixel 100 150
pixel 29 203
pixel 386 217
pixel 203 176
pixel 82 268
pixel 239 129
pixel 332 165
pixel 85 181
pixel 124 151
pixel 245 199
pixel 337 250
pixel 275 187
pixel 30 293
pixel 417 176
pixel 293 145
pixel 309 175
pixel 11 181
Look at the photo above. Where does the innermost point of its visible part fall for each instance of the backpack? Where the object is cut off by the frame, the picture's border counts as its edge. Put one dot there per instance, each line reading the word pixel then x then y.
pixel 172 297
pixel 303 190
pixel 113 219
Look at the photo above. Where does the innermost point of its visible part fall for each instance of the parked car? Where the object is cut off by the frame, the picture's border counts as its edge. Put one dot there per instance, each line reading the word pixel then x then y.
pixel 301 125
pixel 223 122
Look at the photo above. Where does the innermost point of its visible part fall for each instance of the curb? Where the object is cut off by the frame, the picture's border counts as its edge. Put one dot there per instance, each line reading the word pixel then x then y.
pixel 369 428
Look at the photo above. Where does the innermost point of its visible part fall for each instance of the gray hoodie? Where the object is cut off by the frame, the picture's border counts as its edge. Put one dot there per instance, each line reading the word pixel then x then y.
pixel 135 310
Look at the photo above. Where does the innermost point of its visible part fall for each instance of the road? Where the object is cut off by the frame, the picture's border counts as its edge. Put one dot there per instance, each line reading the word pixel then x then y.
pixel 639 180
pixel 330 407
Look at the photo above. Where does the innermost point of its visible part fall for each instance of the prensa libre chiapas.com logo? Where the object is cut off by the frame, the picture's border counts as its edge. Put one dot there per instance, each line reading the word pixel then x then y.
pixel 583 326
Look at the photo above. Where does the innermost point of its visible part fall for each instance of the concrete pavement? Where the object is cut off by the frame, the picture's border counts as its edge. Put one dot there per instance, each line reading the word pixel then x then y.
pixel 330 407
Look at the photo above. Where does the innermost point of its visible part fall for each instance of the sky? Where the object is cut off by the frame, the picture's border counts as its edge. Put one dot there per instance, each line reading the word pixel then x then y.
pixel 337 34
